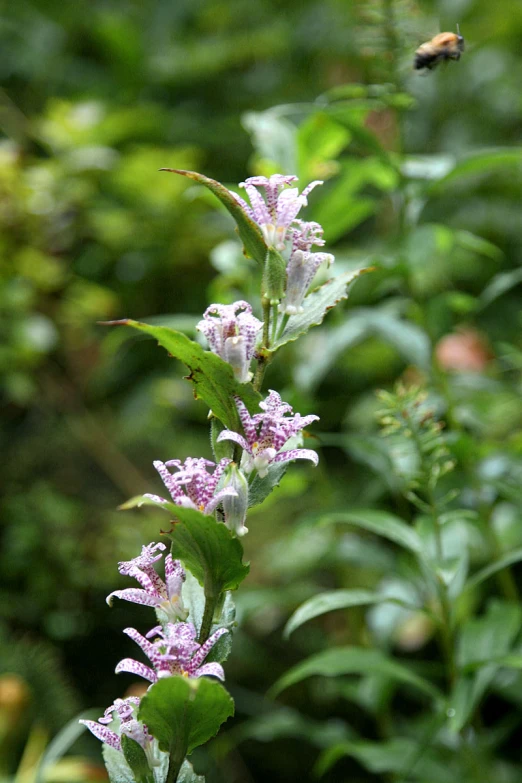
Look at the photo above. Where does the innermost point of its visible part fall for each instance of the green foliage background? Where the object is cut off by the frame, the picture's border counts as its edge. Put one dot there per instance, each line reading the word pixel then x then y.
pixel 95 98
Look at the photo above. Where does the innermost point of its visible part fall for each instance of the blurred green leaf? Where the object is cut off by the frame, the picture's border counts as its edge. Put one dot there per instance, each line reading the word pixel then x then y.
pixel 338 661
pixel 382 523
pixel 477 163
pixel 493 568
pixel 391 756
pixel 499 285
pixel 338 599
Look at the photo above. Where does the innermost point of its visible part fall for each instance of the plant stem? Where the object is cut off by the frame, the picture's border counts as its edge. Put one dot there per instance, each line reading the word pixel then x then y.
pixel 274 323
pixel 176 759
pixel 264 354
pixel 208 615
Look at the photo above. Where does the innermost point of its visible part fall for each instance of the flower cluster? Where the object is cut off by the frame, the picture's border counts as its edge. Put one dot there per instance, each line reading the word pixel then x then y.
pixel 276 215
pixel 231 332
pixel 266 433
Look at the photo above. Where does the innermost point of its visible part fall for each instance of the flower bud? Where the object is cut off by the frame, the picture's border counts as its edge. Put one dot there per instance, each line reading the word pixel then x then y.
pixel 235 506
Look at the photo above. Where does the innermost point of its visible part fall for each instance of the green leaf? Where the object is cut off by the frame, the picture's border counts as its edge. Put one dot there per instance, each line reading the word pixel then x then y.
pixel 260 488
pixel 185 712
pixel 338 661
pixel 490 636
pixel 209 551
pixel 136 759
pixel 250 233
pixel 213 379
pixel 391 756
pixel 499 285
pixel 338 599
pixel 483 645
pixel 316 305
pixel 478 163
pixel 117 768
pixel 187 774
pixel 493 568
pixel 382 523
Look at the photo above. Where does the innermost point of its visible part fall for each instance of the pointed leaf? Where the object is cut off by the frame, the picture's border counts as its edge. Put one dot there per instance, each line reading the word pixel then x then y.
pixel 261 488
pixel 136 759
pixel 250 233
pixel 382 523
pixel 213 379
pixel 209 551
pixel 187 774
pixel 393 756
pixel 338 599
pixel 184 711
pixel 117 768
pixel 338 661
pixel 317 304
pixel 493 568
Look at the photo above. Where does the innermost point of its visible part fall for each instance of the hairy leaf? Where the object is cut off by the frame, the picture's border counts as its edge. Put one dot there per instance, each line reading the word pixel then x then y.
pixel 261 488
pixel 213 379
pixel 250 233
pixel 317 304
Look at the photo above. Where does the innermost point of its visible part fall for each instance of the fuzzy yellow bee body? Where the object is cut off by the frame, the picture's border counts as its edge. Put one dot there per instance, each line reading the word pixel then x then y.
pixel 445 46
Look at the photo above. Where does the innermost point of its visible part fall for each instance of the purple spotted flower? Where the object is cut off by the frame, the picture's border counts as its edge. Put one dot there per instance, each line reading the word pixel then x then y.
pixel 193 486
pixel 266 433
pixel 278 209
pixel 302 265
pixel 124 710
pixel 162 595
pixel 174 650
pixel 231 332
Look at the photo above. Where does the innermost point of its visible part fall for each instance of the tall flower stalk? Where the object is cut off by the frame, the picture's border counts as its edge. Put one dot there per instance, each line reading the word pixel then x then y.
pixel 208 500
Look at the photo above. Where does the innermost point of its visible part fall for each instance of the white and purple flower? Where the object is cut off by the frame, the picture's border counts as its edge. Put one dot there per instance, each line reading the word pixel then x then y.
pixel 124 710
pixel 275 213
pixel 154 592
pixel 174 650
pixel 266 433
pixel 193 486
pixel 302 265
pixel 231 332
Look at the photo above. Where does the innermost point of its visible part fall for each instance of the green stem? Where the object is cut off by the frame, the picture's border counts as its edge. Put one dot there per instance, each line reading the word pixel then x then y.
pixel 176 759
pixel 208 615
pixel 266 321
pixel 274 323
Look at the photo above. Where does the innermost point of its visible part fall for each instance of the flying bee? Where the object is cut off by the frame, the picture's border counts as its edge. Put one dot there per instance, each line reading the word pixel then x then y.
pixel 445 46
